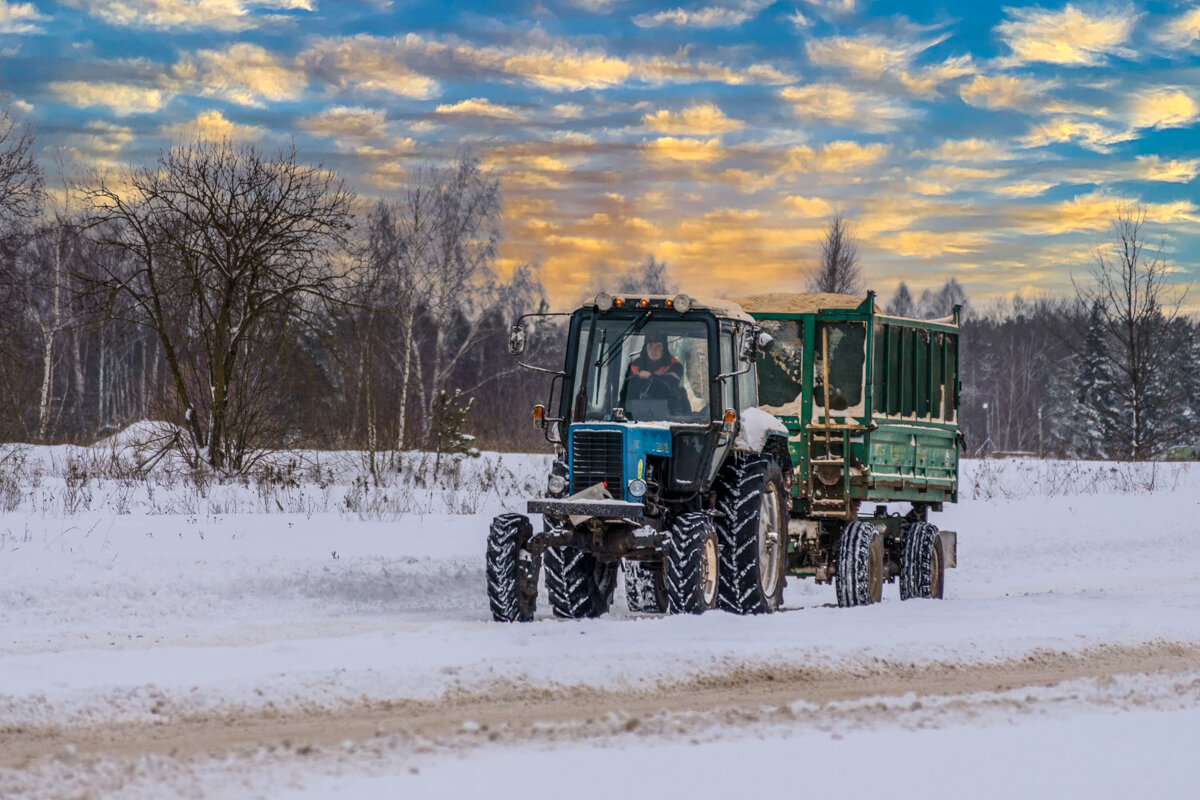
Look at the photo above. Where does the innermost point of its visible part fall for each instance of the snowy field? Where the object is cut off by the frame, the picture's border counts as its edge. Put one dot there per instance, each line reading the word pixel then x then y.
pixel 315 635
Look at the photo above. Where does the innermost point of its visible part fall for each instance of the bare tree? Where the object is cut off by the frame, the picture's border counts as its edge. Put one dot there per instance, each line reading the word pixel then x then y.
pixel 222 246
pixel 20 177
pixel 1136 310
pixel 20 203
pixel 838 271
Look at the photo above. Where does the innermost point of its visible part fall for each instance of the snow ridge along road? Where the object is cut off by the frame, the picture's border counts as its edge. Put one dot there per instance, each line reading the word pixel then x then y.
pixel 512 714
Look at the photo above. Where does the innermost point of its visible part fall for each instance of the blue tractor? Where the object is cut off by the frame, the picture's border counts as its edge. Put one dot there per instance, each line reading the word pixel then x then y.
pixel 664 467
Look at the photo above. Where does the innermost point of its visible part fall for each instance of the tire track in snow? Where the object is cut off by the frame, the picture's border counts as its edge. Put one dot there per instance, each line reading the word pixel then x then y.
pixel 507 713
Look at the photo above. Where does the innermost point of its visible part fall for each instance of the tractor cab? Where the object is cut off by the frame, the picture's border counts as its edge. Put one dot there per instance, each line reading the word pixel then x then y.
pixel 651 387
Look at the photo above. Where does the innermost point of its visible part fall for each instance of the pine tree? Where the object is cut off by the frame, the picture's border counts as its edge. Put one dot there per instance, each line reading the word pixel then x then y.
pixel 901 304
pixel 446 434
pixel 1097 417
pixel 651 277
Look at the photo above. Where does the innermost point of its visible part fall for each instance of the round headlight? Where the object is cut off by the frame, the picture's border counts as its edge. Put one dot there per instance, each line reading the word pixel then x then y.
pixel 556 484
pixel 637 488
pixel 604 301
pixel 682 303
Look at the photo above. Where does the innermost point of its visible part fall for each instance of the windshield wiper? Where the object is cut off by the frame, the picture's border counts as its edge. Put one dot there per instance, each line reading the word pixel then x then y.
pixel 608 355
pixel 596 391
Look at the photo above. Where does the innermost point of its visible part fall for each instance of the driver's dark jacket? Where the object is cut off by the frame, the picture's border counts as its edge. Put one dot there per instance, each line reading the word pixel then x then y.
pixel 667 371
pixel 664 368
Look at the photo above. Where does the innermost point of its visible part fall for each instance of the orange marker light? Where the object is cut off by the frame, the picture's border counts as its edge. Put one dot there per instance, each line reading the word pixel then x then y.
pixel 730 415
pixel 620 301
pixel 644 303
pixel 539 412
pixel 670 303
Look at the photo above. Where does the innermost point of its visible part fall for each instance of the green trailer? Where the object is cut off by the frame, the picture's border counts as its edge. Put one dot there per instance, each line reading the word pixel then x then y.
pixel 710 448
pixel 870 403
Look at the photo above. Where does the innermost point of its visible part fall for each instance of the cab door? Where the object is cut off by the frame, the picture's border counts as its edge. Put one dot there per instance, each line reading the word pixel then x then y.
pixel 727 358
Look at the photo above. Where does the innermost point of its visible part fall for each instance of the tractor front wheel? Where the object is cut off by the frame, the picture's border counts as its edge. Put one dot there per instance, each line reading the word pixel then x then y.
pixel 512 571
pixel 692 564
pixel 579 584
pixel 645 587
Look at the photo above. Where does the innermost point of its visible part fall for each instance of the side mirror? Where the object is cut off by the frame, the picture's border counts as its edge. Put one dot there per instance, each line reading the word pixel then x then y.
pixel 765 340
pixel 516 340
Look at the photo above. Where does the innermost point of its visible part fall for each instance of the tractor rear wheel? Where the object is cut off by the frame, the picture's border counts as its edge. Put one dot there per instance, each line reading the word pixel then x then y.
pixel 645 587
pixel 512 571
pixel 860 565
pixel 752 529
pixel 579 584
pixel 922 563
pixel 692 564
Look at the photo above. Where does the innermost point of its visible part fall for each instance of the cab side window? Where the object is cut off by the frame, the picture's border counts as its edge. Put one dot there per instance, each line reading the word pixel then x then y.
pixel 727 361
pixel 747 384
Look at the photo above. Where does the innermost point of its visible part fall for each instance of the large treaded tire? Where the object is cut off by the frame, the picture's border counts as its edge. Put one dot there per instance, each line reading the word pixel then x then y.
pixel 645 588
pixel 511 570
pixel 860 565
pixel 752 566
pixel 922 563
pixel 579 585
pixel 692 564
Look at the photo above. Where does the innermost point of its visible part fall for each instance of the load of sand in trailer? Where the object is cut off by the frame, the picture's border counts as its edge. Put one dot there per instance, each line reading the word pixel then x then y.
pixel 796 302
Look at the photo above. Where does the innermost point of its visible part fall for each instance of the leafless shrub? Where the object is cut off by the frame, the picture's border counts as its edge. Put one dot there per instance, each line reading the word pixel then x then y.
pixel 992 479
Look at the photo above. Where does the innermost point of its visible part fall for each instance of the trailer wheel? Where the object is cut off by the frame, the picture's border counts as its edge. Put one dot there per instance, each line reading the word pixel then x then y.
pixel 860 565
pixel 752 529
pixel 692 564
pixel 579 584
pixel 645 588
pixel 512 571
pixel 922 563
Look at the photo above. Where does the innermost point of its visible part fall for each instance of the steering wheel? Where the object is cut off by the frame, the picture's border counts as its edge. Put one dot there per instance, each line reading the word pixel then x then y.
pixel 657 388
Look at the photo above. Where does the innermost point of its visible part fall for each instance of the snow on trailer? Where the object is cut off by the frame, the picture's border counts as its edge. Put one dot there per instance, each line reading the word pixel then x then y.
pixel 709 448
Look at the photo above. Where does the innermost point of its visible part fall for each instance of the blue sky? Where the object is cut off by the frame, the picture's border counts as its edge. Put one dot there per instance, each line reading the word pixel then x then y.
pixel 988 143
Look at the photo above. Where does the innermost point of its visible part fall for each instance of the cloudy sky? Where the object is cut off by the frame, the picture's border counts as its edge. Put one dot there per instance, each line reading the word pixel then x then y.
pixel 985 142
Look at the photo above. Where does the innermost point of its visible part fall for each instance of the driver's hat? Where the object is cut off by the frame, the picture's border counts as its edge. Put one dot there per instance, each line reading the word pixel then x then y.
pixel 657 336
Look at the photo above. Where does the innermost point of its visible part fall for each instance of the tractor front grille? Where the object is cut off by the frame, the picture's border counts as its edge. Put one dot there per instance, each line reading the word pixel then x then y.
pixel 597 457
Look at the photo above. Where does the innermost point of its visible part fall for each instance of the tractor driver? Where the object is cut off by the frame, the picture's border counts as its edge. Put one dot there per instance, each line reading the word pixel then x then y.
pixel 656 375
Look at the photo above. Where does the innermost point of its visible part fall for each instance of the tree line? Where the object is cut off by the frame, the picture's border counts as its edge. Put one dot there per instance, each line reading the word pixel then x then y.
pixel 257 302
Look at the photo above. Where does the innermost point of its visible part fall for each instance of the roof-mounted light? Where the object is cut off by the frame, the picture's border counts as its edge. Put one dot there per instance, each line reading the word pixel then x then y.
pixel 604 301
pixel 682 303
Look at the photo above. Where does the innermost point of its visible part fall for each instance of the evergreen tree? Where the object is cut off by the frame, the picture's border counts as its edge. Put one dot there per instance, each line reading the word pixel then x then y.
pixel 901 304
pixel 446 434
pixel 1097 417
pixel 651 277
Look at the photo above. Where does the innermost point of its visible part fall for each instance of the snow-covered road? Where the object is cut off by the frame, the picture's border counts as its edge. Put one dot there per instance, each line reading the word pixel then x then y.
pixel 155 619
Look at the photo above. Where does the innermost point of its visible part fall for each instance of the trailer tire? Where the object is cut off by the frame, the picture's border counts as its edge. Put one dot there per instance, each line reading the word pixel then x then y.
pixel 922 563
pixel 692 564
pixel 752 531
pixel 860 565
pixel 578 584
pixel 645 588
pixel 512 571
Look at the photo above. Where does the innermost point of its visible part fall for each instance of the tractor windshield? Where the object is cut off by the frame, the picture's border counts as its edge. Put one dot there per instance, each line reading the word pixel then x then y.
pixel 655 370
